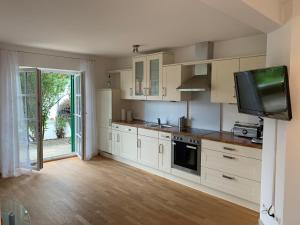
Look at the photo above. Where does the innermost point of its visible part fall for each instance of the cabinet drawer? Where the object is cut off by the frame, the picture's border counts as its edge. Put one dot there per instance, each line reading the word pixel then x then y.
pixel 248 168
pixel 232 149
pixel 129 129
pixel 234 185
pixel 165 136
pixel 148 133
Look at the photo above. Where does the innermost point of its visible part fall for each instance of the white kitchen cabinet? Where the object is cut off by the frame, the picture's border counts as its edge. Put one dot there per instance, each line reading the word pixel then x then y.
pixel 164 152
pixel 148 151
pixel 107 109
pixel 222 81
pixel 116 142
pixel 128 149
pixel 105 139
pixel 126 81
pixel 173 77
pixel 232 169
pixel 252 63
pixel 139 77
pixel 147 75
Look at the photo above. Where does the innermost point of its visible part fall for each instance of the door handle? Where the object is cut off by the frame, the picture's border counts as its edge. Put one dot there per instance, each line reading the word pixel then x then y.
pixel 160 148
pixel 228 177
pixel 191 147
pixel 228 157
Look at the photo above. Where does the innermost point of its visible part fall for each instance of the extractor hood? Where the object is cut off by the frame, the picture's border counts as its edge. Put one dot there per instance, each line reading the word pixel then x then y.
pixel 196 83
pixel 200 79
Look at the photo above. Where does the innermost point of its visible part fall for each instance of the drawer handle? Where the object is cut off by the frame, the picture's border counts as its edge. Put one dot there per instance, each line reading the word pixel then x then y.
pixel 228 177
pixel 129 129
pixel 228 157
pixel 166 136
pixel 229 149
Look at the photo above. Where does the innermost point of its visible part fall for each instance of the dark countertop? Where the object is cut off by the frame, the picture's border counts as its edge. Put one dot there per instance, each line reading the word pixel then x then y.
pixel 225 137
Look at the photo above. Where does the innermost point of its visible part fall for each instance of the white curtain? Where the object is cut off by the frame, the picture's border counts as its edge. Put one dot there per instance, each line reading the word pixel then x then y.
pixel 14 147
pixel 87 67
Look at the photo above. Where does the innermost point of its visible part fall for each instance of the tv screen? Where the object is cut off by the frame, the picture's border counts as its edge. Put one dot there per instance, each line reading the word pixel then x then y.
pixel 264 92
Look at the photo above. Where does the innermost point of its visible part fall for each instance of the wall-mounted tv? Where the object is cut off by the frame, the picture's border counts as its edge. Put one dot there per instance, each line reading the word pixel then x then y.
pixel 264 92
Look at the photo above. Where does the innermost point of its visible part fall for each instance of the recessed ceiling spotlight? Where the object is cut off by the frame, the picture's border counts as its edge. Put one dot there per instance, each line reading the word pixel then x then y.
pixel 135 48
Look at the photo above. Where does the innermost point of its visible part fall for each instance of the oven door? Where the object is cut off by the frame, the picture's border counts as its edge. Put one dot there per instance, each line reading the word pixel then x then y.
pixel 186 157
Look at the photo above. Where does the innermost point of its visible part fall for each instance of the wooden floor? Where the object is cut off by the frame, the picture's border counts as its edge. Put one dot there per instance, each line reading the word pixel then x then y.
pixel 102 191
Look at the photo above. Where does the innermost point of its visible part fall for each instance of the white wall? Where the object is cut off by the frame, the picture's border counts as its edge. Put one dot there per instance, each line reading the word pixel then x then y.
pixel 204 114
pixel 278 53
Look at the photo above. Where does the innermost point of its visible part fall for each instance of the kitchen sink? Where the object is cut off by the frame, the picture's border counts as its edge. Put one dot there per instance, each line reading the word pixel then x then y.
pixel 155 125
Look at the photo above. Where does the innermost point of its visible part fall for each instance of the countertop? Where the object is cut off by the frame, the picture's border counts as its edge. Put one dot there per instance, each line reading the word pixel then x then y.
pixel 226 137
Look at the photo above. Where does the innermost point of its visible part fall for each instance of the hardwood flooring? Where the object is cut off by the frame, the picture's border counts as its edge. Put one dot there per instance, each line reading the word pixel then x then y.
pixel 103 191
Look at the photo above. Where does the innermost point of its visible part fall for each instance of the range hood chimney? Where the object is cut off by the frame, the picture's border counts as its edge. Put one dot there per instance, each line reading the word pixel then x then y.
pixel 200 81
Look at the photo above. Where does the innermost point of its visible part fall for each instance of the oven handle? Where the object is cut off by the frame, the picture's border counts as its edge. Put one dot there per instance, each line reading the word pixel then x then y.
pixel 191 147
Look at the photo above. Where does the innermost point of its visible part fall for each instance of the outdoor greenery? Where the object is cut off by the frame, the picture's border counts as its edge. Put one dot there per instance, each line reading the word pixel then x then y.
pixel 63 117
pixel 53 89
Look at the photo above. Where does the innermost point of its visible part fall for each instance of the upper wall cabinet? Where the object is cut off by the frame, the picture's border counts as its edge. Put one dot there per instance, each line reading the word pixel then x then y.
pixel 173 77
pixel 126 81
pixel 251 63
pixel 222 85
pixel 147 75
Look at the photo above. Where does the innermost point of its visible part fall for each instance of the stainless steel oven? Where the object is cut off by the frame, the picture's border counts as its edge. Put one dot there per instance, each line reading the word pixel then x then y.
pixel 186 154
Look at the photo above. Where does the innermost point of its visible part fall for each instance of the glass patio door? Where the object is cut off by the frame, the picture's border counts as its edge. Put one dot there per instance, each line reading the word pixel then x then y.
pixel 79 115
pixel 30 79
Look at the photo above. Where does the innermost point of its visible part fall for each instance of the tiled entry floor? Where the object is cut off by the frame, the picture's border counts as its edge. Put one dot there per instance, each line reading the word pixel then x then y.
pixel 52 148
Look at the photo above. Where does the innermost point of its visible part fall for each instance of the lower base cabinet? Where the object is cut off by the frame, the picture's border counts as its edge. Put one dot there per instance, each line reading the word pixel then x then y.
pixel 105 139
pixel 231 184
pixel 164 156
pixel 148 151
pixel 128 148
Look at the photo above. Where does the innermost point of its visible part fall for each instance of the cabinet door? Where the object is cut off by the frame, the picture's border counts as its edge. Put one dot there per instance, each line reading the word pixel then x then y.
pixel 154 77
pixel 148 151
pixel 252 63
pixel 139 77
pixel 104 108
pixel 222 86
pixel 116 140
pixel 126 80
pixel 105 140
pixel 128 147
pixel 164 157
pixel 171 81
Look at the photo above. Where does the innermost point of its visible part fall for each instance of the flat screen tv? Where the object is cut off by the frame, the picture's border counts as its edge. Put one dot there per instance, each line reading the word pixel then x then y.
pixel 264 92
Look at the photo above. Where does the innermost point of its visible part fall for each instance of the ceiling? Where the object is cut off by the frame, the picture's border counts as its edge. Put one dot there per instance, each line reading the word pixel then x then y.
pixel 111 27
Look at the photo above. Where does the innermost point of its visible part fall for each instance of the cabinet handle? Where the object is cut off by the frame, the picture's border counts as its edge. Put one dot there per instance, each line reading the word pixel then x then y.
pixel 110 136
pixel 145 91
pixel 165 136
pixel 160 148
pixel 110 122
pixel 131 91
pixel 229 149
pixel 228 157
pixel 139 143
pixel 164 91
pixel 228 177
pixel 118 137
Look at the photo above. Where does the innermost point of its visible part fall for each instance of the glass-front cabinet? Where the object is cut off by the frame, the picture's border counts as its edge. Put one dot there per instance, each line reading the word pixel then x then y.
pixel 139 81
pixel 147 70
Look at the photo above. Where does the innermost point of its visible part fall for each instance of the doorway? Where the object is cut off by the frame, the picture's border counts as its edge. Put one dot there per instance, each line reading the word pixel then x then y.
pixel 53 106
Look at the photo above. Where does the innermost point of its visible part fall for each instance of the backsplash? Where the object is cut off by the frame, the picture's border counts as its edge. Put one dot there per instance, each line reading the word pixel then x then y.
pixel 202 113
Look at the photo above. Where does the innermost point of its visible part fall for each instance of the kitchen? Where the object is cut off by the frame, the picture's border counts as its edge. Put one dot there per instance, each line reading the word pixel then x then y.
pixel 198 151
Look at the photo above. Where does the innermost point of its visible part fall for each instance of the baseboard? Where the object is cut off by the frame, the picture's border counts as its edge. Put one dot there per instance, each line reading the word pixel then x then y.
pixel 188 183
